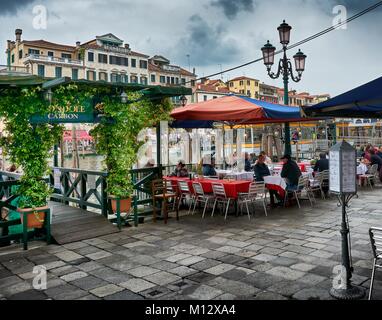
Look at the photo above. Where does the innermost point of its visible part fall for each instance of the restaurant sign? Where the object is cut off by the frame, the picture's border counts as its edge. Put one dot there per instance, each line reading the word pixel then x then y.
pixel 67 114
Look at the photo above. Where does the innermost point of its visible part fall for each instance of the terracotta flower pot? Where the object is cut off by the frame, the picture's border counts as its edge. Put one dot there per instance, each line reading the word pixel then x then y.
pixel 35 217
pixel 125 205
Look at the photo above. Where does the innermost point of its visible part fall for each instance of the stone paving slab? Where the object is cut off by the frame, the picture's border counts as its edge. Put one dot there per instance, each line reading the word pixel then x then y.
pixel 290 254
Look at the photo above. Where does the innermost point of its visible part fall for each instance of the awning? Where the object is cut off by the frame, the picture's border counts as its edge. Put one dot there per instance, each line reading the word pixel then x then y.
pixel 362 102
pixel 81 135
pixel 235 109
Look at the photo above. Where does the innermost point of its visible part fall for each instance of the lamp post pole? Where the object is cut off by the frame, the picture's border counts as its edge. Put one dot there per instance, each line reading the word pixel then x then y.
pixel 285 69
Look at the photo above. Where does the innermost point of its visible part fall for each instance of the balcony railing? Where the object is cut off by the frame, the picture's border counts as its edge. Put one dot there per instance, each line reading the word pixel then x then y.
pixel 39 57
pixel 13 70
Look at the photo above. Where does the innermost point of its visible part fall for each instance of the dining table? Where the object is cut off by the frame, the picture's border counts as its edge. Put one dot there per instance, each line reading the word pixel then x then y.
pixel 232 187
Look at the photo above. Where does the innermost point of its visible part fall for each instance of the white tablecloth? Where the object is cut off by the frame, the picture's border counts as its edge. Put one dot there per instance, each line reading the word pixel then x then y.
pixel 276 180
pixel 361 169
pixel 235 175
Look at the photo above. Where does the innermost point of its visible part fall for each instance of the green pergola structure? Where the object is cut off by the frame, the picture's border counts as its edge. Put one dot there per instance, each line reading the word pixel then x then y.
pixel 21 81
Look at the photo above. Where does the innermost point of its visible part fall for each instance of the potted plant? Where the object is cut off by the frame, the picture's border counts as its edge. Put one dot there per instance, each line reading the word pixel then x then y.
pixel 33 201
pixel 28 146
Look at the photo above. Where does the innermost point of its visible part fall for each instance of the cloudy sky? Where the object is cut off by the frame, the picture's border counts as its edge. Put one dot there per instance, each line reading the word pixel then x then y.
pixel 216 34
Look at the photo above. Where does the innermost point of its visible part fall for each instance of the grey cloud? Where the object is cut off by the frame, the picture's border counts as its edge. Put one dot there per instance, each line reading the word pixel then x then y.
pixel 232 7
pixel 11 6
pixel 205 44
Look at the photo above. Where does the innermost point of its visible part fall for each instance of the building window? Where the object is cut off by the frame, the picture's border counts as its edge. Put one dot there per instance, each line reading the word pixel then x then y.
pixel 153 80
pixel 58 72
pixel 231 84
pixel 33 51
pixel 134 79
pixel 143 80
pixel 114 77
pixel 102 76
pixel 66 56
pixel 168 80
pixel 102 58
pixel 50 53
pixel 172 80
pixel 256 84
pixel 248 82
pixel 214 97
pixel 13 58
pixel 91 56
pixel 124 78
pixel 241 83
pixel 119 61
pixel 205 98
pixel 143 64
pixel 20 54
pixel 162 79
pixel 75 74
pixel 41 70
pixel 183 81
pixel 192 83
pixel 177 80
pixel 248 93
pixel 91 75
pixel 256 95
pixel 134 63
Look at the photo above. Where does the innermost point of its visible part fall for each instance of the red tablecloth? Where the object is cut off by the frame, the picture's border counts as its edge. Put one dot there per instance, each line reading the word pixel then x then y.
pixel 301 165
pixel 232 188
pixel 276 188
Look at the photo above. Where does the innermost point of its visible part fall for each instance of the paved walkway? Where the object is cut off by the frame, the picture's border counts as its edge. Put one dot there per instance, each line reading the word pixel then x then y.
pixel 288 255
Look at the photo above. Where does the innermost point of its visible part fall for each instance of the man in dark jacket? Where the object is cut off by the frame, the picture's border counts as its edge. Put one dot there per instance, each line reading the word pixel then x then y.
pixel 322 164
pixel 291 172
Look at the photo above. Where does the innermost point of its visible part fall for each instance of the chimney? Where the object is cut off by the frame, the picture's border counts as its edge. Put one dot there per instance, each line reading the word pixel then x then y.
pixel 78 43
pixel 127 46
pixel 193 71
pixel 18 33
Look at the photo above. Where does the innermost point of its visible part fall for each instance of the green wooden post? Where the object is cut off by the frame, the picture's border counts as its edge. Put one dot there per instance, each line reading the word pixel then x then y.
pixel 47 226
pixel 83 189
pixel 118 213
pixel 135 211
pixel 104 198
pixel 66 186
pixel 25 230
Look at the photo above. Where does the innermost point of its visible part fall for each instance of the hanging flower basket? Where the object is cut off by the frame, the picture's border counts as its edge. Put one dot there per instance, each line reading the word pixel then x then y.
pixel 35 217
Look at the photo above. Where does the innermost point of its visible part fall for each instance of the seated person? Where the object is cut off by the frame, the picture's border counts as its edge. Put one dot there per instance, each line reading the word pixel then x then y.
pixel 267 160
pixel 209 169
pixel 180 170
pixel 291 172
pixel 374 159
pixel 247 163
pixel 261 169
pixel 322 164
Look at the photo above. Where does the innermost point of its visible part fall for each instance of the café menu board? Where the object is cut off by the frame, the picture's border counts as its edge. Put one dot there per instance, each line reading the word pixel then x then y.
pixel 334 171
pixel 342 168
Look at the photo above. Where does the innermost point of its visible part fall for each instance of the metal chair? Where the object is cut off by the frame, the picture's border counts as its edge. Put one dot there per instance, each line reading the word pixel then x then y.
pixel 324 183
pixel 303 184
pixel 376 246
pixel 371 175
pixel 161 192
pixel 220 198
pixel 184 192
pixel 200 197
pixel 257 191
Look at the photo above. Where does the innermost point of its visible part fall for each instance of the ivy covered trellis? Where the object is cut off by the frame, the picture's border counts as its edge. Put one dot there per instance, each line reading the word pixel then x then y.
pixel 28 143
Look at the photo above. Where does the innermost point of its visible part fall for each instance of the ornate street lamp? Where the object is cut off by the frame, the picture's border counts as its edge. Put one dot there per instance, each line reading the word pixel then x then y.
pixel 124 97
pixel 285 69
pixel 183 100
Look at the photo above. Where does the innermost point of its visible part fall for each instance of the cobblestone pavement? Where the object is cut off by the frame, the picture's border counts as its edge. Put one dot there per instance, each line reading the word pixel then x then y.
pixel 288 255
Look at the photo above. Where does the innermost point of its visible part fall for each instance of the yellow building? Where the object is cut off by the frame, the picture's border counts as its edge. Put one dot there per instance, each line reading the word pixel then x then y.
pixel 245 86
pixel 43 58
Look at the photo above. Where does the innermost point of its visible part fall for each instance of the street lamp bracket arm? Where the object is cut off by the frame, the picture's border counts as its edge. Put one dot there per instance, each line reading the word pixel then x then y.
pixel 290 70
pixel 279 70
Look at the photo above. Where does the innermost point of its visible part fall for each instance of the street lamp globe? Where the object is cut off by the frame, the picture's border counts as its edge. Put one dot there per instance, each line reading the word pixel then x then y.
pixel 284 32
pixel 268 54
pixel 299 59
pixel 123 97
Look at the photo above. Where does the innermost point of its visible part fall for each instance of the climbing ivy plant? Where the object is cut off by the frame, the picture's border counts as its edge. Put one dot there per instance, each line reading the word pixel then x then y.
pixel 116 136
pixel 28 145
